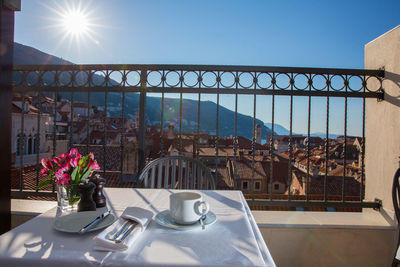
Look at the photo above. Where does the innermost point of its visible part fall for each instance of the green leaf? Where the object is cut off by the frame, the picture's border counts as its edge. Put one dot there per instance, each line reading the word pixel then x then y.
pixel 86 175
pixel 73 175
pixel 44 183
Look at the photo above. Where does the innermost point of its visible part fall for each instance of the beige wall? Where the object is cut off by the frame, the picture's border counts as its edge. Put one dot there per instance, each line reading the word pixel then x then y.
pixel 292 247
pixel 383 118
pixel 309 238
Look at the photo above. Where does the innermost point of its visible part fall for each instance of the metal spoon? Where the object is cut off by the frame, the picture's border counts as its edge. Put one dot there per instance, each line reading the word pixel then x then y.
pixel 202 218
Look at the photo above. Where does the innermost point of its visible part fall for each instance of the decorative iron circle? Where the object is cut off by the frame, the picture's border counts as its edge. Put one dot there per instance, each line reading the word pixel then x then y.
pixel 32 78
pixel 280 78
pixel 133 78
pixel 116 78
pixel 264 77
pixel 319 82
pixel 209 77
pixel 65 78
pixel 99 78
pixel 154 78
pixel 170 76
pixel 337 82
pixel 300 82
pixel 191 78
pixel 50 77
pixel 81 78
pixel 227 79
pixel 246 77
pixel 353 80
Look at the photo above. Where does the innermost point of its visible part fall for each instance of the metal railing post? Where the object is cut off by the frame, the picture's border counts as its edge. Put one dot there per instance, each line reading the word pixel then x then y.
pixel 142 120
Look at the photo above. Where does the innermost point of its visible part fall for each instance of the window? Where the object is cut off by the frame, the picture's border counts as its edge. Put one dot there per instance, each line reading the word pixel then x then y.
pixel 245 185
pixel 276 186
pixel 35 144
pixel 257 185
pixel 30 144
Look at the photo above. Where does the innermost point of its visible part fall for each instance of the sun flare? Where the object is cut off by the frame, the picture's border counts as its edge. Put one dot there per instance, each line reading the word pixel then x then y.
pixel 75 22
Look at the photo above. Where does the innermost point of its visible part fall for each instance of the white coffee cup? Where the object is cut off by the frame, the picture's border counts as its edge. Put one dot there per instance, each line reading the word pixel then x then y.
pixel 187 207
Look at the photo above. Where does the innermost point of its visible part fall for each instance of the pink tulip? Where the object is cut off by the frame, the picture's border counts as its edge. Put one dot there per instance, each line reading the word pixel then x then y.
pixel 44 172
pixel 74 157
pixel 91 155
pixel 62 178
pixel 46 163
pixel 63 161
pixel 93 165
pixel 74 153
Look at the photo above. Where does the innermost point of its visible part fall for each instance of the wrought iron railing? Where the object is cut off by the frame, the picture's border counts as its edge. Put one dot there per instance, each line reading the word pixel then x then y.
pixel 56 80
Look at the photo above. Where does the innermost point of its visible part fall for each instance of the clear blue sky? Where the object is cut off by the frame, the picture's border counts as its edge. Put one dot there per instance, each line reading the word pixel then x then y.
pixel 266 33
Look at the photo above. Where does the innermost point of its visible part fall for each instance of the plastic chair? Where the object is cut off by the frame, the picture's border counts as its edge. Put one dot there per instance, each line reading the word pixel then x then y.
pixel 176 172
pixel 396 201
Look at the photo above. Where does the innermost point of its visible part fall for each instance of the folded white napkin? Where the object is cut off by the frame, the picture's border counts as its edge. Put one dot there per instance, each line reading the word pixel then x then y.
pixel 142 216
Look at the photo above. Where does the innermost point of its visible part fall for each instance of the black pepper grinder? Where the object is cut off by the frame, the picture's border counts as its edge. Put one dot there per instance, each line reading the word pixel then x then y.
pixel 86 190
pixel 98 195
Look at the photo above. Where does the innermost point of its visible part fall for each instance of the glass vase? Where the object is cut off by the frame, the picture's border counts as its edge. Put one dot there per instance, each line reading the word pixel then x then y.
pixel 67 197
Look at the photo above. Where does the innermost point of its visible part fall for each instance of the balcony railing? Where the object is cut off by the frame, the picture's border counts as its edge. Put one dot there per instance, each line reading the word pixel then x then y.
pixel 44 88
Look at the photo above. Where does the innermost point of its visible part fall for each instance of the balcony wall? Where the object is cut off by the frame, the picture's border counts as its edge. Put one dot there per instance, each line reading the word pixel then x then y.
pixel 328 238
pixel 383 119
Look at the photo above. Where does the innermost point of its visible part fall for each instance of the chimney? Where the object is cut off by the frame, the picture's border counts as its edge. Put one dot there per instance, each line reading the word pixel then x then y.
pixel 258 134
pixel 171 134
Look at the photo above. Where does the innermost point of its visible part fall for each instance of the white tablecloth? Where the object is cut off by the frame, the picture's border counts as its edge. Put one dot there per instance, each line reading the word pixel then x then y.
pixel 233 240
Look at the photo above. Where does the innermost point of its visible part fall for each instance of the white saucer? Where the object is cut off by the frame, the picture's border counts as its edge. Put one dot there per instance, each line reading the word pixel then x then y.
pixel 164 219
pixel 73 222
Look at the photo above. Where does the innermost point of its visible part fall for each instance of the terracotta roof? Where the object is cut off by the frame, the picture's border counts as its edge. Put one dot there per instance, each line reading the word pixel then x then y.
pixel 244 170
pixel 210 152
pixel 279 171
pixel 223 180
pixel 333 185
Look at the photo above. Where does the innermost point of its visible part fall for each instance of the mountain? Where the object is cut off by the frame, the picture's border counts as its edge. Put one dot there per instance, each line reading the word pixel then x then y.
pixel 278 129
pixel 27 55
pixel 31 56
pixel 323 135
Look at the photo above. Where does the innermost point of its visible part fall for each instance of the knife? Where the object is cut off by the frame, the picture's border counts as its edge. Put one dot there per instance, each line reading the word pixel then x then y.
pixel 94 222
pixel 119 232
pixel 122 237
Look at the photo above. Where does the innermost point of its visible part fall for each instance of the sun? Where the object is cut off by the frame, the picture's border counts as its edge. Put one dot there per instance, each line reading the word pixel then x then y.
pixel 75 22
